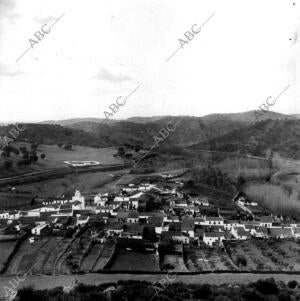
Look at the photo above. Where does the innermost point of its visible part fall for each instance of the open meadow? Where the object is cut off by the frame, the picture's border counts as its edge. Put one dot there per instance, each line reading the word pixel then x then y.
pixel 55 157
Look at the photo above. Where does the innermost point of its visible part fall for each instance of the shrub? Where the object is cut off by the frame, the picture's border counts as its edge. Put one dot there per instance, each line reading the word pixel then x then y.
pixel 241 260
pixel 284 296
pixel 203 291
pixel 267 287
pixel 252 295
pixel 292 284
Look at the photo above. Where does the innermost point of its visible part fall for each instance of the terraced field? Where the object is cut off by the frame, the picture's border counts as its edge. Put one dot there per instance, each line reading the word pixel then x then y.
pixel 39 257
pixel 105 255
pixel 6 249
pixel 72 259
pixel 89 261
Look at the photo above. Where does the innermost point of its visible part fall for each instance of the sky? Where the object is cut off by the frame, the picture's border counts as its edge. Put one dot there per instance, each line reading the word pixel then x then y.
pixel 98 52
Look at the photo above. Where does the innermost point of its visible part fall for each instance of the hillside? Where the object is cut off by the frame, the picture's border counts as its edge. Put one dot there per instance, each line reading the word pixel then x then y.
pixel 54 134
pixel 188 131
pixel 228 132
pixel 280 136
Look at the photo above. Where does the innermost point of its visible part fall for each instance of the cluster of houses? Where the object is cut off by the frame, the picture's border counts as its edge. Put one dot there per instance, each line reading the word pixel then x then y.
pixel 166 211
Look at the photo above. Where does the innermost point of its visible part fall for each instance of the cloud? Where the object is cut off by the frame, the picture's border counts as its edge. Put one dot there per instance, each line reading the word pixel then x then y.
pixel 6 5
pixel 7 8
pixel 104 74
pixel 6 71
pixel 7 13
pixel 44 20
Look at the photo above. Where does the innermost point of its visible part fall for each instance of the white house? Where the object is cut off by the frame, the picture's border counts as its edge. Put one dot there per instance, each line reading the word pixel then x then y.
pixel 296 232
pixel 106 209
pixel 133 217
pixel 4 215
pixel 146 187
pixel 14 215
pixel 211 238
pixel 38 230
pixel 100 200
pixel 134 200
pixel 229 224
pixel 266 221
pixel 121 198
pixel 82 220
pixel 213 221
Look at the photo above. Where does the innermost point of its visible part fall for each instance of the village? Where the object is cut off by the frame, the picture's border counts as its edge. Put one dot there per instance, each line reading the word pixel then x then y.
pixel 178 230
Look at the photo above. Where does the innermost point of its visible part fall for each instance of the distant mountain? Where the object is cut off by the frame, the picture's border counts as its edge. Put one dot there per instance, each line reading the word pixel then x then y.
pixel 296 116
pixel 145 119
pixel 248 117
pixel 66 122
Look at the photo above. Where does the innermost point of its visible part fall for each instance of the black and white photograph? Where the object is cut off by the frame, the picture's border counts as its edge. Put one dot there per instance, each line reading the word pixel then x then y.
pixel 149 150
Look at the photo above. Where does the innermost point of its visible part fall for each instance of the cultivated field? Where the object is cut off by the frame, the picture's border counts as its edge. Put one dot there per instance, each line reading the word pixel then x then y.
pixel 265 255
pixel 135 261
pixel 6 249
pixel 40 256
pixel 89 261
pixel 174 261
pixel 207 259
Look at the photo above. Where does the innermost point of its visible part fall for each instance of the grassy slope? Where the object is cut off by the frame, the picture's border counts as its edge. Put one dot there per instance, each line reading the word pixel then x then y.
pixel 55 157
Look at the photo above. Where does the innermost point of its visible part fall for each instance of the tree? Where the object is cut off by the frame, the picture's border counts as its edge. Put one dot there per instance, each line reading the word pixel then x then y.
pixel 8 164
pixel 121 151
pixel 137 148
pixel 204 291
pixel 25 155
pixel 267 287
pixel 23 149
pixel 241 260
pixel 34 146
pixel 68 146
pixel 128 156
pixel 149 234
pixel 43 156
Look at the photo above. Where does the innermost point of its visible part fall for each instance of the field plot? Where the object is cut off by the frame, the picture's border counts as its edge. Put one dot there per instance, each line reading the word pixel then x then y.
pixel 89 261
pixel 135 261
pixel 262 255
pixel 207 259
pixel 173 263
pixel 105 255
pixel 55 157
pixel 58 245
pixel 73 258
pixel 87 182
pixel 6 249
pixel 39 256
